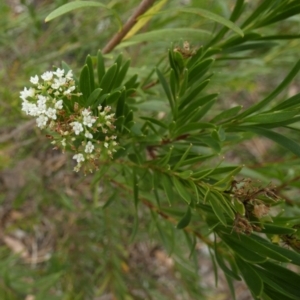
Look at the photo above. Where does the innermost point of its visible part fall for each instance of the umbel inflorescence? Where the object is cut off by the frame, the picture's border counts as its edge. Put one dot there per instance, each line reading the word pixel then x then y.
pixel 70 125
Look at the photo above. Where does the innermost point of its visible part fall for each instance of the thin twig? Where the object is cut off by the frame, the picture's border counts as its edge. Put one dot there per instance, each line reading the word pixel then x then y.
pixel 117 38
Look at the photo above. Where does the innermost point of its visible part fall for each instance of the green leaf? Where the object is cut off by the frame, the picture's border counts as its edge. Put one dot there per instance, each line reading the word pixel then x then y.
pixel 293 256
pixel 231 112
pixel 156 122
pixel 275 229
pixel 252 279
pixel 185 220
pixel 173 84
pixel 100 66
pixel 193 127
pixel 166 89
pixel 264 249
pixel 122 73
pixel 274 136
pixel 193 92
pixel 279 17
pixel 217 207
pixel 288 104
pixel 165 159
pixel 108 79
pixel 84 82
pixel 279 284
pixel 199 70
pixel 89 63
pixel 183 157
pixel 72 6
pixel 214 17
pixel 120 105
pixel 112 98
pixel 271 117
pixel 262 7
pixel 229 177
pixel 181 190
pixel 166 34
pixel 93 97
pixel 166 183
pixel 245 253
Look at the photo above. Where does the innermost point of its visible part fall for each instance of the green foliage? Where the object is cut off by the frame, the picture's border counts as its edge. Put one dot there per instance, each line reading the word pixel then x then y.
pixel 183 175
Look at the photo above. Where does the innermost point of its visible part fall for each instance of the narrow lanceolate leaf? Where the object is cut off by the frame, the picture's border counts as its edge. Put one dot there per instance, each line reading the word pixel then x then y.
pixel 261 249
pixel 193 127
pixel 93 97
pixel 72 6
pixel 185 220
pixel 274 136
pixel 190 98
pixel 272 117
pixel 267 100
pixel 252 279
pixel 228 178
pixel 84 82
pixel 89 63
pixel 156 122
pixel 245 253
pixel 166 34
pixel 217 207
pixel 229 113
pixel 167 185
pixel 178 164
pixel 166 89
pixel 274 229
pixel 122 73
pixel 108 78
pixel 100 66
pixel 181 189
pixel 214 17
pixel 199 70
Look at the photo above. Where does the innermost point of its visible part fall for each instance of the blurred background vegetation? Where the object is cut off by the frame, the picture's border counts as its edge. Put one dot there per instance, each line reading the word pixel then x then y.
pixel 63 237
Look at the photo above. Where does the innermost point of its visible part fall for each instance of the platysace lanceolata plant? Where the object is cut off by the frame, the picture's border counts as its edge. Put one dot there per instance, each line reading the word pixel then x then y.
pixel 71 126
pixel 173 130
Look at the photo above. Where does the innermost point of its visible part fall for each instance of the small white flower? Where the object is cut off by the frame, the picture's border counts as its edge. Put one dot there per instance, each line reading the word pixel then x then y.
pixel 58 82
pixel 78 157
pixel 77 127
pixel 51 113
pixel 88 121
pixel 47 76
pixel 59 72
pixel 69 75
pixel 89 147
pixel 85 112
pixel 27 93
pixel 106 145
pixel 88 135
pixel 34 80
pixel 41 121
pixel 108 123
pixel 59 104
pixel 41 108
pixel 41 99
pixel 63 142
pixel 69 90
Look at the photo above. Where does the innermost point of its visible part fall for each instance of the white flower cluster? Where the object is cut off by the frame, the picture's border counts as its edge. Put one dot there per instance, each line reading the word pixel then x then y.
pixel 44 100
pixel 78 130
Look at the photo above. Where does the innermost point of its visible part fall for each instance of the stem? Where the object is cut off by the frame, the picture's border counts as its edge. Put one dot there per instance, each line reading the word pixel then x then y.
pixel 117 38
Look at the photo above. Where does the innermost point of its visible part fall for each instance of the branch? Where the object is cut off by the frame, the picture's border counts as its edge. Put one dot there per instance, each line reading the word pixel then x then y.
pixel 117 38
